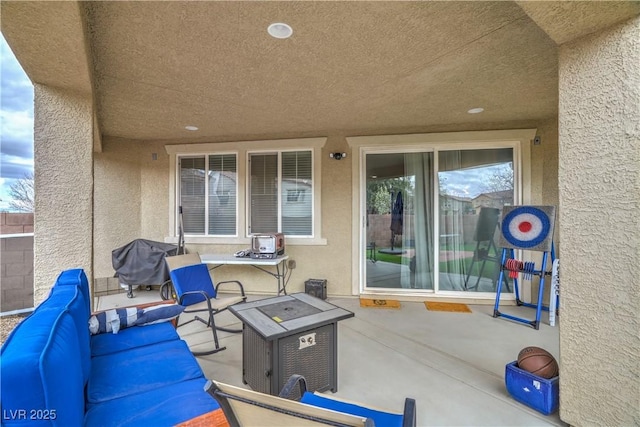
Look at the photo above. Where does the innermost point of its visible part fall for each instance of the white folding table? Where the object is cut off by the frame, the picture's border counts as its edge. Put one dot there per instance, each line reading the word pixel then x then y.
pixel 280 274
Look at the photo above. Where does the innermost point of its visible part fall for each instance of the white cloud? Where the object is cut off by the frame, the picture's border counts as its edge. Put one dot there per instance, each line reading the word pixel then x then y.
pixel 16 122
pixel 16 125
pixel 4 195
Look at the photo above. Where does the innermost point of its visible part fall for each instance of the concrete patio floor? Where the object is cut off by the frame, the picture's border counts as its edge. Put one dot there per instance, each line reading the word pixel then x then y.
pixel 451 363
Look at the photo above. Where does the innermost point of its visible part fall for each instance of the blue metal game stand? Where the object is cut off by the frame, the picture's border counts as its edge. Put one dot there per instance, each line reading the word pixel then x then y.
pixel 526 228
pixel 528 271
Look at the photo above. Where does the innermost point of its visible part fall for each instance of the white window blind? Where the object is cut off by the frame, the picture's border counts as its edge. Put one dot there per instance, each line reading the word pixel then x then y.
pixel 192 194
pixel 281 193
pixel 208 194
pixel 222 194
pixel 264 193
pixel 297 193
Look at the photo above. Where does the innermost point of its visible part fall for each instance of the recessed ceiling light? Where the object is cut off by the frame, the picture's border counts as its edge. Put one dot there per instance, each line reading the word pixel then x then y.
pixel 191 127
pixel 280 30
pixel 475 110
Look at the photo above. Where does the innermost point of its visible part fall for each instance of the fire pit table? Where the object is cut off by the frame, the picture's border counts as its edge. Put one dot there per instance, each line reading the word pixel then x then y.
pixel 286 335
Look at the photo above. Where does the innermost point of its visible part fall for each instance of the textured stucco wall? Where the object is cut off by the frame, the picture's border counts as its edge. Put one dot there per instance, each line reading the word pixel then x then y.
pixel 63 143
pixel 544 190
pixel 544 164
pixel 548 132
pixel 117 202
pixel 599 134
pixel 154 183
pixel 132 201
pixel 118 182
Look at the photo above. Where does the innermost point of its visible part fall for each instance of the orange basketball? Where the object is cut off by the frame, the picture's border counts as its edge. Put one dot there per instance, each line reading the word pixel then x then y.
pixel 538 361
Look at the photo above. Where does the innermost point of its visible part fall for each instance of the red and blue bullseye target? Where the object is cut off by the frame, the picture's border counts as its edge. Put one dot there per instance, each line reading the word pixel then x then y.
pixel 526 227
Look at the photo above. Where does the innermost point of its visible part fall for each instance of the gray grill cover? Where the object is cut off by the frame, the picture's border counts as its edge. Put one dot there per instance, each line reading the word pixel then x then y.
pixel 141 262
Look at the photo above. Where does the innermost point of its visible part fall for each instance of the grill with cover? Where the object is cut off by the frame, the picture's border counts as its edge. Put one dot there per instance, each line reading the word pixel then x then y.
pixel 141 262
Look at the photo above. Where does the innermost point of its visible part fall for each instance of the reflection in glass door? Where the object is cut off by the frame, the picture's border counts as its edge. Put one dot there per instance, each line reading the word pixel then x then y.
pixel 409 230
pixel 474 185
pixel 399 228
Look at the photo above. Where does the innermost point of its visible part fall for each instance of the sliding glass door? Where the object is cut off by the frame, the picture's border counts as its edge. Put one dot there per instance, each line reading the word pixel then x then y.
pixel 473 185
pixel 415 240
pixel 399 220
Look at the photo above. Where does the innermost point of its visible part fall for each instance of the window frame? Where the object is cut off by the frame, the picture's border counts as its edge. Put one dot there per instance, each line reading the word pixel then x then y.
pixel 242 149
pixel 207 160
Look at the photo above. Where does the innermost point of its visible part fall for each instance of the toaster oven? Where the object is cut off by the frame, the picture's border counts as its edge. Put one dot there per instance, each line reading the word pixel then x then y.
pixel 267 246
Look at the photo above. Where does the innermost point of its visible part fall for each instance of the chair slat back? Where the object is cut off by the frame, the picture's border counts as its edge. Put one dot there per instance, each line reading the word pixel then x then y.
pixel 192 278
pixel 178 261
pixel 273 411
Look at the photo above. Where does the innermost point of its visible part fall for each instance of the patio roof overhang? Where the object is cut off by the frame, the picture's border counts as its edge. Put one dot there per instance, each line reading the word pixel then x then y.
pixel 350 68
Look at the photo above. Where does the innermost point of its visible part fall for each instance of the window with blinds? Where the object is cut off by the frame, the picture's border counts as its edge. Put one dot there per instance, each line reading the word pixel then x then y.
pixel 208 194
pixel 281 193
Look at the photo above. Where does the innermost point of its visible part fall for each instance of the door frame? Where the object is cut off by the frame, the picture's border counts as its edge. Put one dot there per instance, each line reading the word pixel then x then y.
pixel 518 139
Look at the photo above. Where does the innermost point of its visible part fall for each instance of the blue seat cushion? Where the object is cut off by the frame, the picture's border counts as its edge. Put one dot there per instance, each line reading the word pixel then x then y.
pixel 72 298
pixel 165 406
pixel 72 290
pixel 140 369
pixel 130 338
pixel 76 277
pixel 41 371
pixel 380 418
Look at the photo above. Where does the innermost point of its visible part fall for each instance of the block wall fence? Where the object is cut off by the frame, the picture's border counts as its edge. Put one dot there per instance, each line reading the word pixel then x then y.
pixel 16 261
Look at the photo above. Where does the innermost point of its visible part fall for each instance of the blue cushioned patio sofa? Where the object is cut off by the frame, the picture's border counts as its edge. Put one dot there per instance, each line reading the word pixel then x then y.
pixel 53 372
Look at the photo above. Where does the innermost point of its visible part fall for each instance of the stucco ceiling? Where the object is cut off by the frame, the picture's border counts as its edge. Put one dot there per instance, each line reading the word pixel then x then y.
pixel 350 68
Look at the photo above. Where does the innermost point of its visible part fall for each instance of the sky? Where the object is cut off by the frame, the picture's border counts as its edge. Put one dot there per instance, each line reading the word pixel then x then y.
pixel 471 182
pixel 16 123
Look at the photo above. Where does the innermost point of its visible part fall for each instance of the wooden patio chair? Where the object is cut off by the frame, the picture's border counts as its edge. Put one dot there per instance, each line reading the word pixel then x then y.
pixel 247 408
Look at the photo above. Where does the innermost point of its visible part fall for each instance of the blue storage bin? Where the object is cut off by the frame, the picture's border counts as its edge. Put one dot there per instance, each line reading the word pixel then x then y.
pixel 536 392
